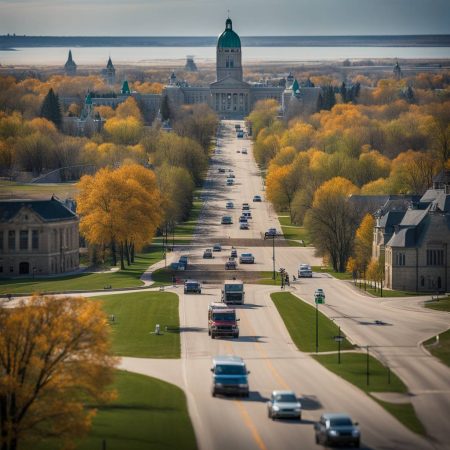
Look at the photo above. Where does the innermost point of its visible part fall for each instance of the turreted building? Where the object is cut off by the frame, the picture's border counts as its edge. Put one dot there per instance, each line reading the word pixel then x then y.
pixel 109 73
pixel 70 67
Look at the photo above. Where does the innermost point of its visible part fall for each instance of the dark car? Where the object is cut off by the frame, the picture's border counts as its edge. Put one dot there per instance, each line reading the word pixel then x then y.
pixel 231 264
pixel 207 254
pixel 233 253
pixel 192 286
pixel 337 428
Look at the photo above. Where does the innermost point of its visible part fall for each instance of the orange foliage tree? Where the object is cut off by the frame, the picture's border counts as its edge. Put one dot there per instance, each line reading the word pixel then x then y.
pixel 121 208
pixel 54 358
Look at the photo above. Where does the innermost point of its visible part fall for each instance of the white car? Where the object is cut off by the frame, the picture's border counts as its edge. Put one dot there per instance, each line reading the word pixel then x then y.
pixel 284 404
pixel 304 271
pixel 246 258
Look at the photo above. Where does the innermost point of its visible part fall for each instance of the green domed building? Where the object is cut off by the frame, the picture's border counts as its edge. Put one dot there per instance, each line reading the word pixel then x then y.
pixel 228 56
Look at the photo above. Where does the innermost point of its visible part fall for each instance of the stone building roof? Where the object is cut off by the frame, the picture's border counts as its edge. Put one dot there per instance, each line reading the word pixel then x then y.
pixel 48 210
pixel 229 38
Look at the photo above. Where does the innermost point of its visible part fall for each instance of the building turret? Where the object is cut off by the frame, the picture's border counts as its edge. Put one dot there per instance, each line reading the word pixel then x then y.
pixel 125 90
pixel 70 67
pixel 190 64
pixel 172 79
pixel 110 72
pixel 229 56
pixel 397 71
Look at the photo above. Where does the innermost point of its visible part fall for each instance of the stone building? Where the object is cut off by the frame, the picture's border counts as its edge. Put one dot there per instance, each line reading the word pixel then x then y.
pixel 70 68
pixel 230 96
pixel 417 241
pixel 37 237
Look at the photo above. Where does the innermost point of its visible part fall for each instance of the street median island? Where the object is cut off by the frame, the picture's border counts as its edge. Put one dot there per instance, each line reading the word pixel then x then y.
pixel 357 367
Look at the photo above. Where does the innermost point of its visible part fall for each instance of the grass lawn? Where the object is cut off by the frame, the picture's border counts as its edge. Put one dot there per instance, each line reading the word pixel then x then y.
pixel 187 228
pixel 353 368
pixel 295 232
pixel 148 414
pixel 300 320
pixel 13 190
pixel 392 293
pixel 135 318
pixel 441 350
pixel 405 414
pixel 443 304
pixel 130 277
pixel 330 270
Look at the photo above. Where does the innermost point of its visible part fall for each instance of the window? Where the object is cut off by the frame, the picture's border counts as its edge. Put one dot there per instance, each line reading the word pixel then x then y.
pixel 23 241
pixel 35 240
pixel 400 259
pixel 435 257
pixel 11 240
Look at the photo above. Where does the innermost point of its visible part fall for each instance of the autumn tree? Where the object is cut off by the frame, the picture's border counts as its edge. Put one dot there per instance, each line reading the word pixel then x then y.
pixel 125 131
pixel 51 109
pixel 363 242
pixel 282 183
pixel 120 208
pixel 263 115
pixel 332 221
pixel 55 358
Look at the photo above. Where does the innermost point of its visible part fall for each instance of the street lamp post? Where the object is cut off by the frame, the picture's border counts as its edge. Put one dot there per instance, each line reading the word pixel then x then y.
pixel 272 236
pixel 339 345
pixel 317 326
pixel 367 367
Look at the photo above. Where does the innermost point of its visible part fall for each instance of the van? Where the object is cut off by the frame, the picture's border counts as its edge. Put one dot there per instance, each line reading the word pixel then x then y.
pixel 304 271
pixel 230 376
pixel 192 286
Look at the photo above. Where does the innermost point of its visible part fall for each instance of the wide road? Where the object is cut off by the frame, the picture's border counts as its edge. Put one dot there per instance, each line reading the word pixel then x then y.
pixel 271 356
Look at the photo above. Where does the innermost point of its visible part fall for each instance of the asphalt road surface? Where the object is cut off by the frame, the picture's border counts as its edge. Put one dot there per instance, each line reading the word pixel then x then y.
pixel 275 363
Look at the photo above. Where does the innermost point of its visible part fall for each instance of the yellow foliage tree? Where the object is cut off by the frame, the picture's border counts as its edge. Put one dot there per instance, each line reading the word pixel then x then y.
pixel 129 108
pixel 121 208
pixel 332 221
pixel 363 241
pixel 125 131
pixel 54 359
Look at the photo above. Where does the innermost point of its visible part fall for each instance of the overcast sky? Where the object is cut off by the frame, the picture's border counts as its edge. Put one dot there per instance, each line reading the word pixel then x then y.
pixel 206 17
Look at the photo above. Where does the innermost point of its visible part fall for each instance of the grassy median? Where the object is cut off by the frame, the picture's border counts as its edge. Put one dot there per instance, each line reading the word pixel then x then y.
pixel 135 317
pixel 440 349
pixel 147 414
pixel 299 318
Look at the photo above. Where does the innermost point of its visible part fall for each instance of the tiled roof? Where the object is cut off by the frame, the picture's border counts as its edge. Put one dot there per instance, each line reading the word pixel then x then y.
pixel 48 210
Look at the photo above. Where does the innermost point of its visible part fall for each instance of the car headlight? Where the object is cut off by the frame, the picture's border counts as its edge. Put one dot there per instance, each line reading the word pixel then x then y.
pixel 276 408
pixel 355 433
pixel 243 385
pixel 297 409
pixel 333 433
pixel 219 385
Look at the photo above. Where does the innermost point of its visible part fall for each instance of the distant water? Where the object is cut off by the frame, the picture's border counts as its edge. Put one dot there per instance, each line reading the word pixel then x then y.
pixel 177 55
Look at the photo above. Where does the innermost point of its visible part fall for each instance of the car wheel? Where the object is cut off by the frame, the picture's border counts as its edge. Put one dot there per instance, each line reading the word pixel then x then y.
pixel 357 443
pixel 317 439
pixel 236 336
pixel 213 393
pixel 213 336
pixel 300 417
pixel 209 332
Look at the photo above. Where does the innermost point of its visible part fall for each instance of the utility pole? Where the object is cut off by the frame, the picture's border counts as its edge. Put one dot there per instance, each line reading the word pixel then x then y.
pixel 367 367
pixel 317 326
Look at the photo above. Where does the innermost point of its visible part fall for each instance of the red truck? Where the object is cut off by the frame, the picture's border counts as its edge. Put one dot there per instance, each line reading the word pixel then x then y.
pixel 222 321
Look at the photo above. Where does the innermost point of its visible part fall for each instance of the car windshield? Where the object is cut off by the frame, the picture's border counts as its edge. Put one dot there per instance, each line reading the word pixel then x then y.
pixel 245 255
pixel 224 316
pixel 226 369
pixel 286 398
pixel 233 287
pixel 192 285
pixel 341 422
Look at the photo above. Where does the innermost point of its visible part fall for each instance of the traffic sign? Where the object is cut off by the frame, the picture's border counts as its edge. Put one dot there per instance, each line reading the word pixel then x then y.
pixel 319 300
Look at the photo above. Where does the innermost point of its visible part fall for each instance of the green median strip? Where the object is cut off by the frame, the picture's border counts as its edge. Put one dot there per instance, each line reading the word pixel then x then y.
pixel 299 318
pixel 135 318
pixel 439 304
pixel 144 416
pixel 440 348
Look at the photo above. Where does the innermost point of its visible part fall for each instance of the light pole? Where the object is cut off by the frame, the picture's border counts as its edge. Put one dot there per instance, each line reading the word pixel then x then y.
pixel 317 326
pixel 367 367
pixel 272 236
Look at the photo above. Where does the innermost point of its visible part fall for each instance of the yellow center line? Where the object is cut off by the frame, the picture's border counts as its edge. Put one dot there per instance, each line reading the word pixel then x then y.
pixel 250 425
pixel 260 349
pixel 244 413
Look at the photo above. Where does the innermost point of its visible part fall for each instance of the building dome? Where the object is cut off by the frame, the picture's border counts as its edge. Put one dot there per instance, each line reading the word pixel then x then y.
pixel 229 39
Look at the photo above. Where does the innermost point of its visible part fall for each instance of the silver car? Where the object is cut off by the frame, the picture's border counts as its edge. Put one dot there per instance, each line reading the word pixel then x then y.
pixel 284 404
pixel 337 428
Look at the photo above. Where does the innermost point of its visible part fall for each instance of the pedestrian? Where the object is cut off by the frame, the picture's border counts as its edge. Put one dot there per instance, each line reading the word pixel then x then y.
pixel 287 280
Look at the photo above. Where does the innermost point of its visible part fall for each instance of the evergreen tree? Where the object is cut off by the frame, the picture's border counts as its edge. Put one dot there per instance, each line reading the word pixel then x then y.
pixel 51 109
pixel 343 92
pixel 166 113
pixel 328 97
